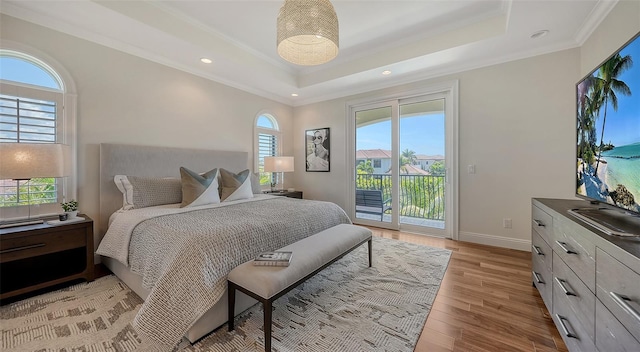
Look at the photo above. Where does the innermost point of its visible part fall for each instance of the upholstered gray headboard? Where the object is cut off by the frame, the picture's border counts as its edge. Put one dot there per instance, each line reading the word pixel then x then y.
pixel 147 161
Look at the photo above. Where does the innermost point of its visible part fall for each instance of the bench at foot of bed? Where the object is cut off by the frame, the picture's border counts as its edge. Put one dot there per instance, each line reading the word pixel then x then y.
pixel 310 256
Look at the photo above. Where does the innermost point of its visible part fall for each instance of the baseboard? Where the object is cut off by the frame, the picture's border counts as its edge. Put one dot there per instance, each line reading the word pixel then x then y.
pixel 497 241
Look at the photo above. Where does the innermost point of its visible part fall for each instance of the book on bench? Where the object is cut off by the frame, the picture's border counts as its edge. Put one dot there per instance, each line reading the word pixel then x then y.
pixel 276 258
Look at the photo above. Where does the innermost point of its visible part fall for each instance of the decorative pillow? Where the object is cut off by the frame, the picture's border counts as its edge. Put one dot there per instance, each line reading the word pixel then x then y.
pixel 199 189
pixel 142 192
pixel 235 186
pixel 255 183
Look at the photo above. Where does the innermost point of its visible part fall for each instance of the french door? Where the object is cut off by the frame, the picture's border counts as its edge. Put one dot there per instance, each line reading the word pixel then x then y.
pixel 403 156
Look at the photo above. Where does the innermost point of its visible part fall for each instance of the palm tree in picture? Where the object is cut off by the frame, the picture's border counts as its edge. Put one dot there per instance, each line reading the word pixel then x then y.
pixel 611 86
pixel 589 105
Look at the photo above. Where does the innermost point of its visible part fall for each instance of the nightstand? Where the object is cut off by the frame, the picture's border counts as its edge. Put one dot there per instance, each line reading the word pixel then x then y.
pixel 294 194
pixel 34 257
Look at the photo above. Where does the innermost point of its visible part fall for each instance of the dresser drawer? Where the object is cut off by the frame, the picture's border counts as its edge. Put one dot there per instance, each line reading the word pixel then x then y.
pixel 575 250
pixel 611 336
pixel 542 223
pixel 30 246
pixel 580 300
pixel 619 290
pixel 542 279
pixel 574 334
pixel 541 250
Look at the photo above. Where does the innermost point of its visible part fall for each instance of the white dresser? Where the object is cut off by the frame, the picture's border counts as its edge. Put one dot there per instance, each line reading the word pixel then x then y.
pixel 589 281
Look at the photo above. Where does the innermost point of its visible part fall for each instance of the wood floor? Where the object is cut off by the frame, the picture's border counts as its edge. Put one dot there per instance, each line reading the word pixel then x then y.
pixel 486 301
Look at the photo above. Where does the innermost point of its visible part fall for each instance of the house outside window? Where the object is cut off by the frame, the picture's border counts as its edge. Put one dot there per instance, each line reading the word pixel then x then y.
pixel 268 143
pixel 32 110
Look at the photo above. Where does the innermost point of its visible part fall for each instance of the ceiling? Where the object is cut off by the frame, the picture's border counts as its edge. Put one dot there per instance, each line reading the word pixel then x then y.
pixel 414 40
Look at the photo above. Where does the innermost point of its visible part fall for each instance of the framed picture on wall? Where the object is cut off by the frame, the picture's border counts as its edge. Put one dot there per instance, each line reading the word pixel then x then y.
pixel 317 149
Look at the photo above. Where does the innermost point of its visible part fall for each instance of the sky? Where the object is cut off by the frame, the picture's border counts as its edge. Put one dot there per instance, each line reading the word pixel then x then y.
pixel 422 134
pixel 20 71
pixel 623 126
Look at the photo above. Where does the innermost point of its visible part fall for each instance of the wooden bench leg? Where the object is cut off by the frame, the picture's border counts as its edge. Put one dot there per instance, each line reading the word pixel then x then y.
pixel 370 247
pixel 231 295
pixel 266 307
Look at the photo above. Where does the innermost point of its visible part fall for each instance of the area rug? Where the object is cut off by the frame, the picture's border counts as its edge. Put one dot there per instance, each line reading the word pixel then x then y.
pixel 346 307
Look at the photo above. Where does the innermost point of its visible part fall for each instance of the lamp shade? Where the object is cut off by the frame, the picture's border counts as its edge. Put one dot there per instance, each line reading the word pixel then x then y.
pixel 23 161
pixel 278 164
pixel 307 32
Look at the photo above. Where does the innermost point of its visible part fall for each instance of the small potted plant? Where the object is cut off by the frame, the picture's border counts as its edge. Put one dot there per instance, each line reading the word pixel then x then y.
pixel 70 208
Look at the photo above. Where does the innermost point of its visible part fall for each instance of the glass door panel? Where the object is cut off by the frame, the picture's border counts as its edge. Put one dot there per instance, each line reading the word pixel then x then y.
pixel 374 161
pixel 421 163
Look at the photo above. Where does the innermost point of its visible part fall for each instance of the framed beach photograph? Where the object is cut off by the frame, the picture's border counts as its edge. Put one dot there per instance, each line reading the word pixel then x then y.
pixel 317 149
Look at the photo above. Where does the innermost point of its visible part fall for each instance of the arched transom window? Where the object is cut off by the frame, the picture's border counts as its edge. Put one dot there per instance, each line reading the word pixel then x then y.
pixel 268 139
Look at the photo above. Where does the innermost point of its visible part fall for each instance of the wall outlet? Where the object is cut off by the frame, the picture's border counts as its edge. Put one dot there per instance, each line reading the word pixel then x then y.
pixel 506 222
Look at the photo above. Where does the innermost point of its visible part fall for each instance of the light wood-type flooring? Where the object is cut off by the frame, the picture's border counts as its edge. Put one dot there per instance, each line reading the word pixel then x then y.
pixel 486 301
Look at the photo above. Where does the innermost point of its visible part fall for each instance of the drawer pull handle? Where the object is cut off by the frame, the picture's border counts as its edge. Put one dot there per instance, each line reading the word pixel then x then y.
pixel 564 248
pixel 623 302
pixel 563 288
pixel 22 248
pixel 566 332
pixel 537 277
pixel 539 223
pixel 537 250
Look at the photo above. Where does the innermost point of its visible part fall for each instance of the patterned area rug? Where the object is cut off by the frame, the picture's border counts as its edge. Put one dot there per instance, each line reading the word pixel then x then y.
pixel 346 307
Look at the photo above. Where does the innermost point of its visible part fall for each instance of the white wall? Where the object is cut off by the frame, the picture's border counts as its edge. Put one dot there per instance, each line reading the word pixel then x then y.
pixel 517 125
pixel 125 99
pixel 622 23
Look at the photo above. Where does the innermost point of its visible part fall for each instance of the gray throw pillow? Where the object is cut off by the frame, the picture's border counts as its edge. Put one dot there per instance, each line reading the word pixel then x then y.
pixel 235 186
pixel 149 192
pixel 199 189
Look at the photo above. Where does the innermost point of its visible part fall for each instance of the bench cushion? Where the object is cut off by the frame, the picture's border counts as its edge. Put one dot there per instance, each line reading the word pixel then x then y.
pixel 309 254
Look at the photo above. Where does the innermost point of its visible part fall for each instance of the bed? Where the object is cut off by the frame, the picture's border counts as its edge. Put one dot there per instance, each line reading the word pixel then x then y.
pixel 176 258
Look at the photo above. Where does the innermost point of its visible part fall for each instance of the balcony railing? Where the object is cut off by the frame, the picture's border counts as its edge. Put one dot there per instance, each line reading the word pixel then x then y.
pixel 421 196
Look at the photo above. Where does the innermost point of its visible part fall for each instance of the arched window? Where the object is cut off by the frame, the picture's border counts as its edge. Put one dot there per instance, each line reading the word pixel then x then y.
pixel 32 110
pixel 268 139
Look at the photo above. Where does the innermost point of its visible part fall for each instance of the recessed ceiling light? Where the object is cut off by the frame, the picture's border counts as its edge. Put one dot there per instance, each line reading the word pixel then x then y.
pixel 294 94
pixel 539 34
pixel 386 72
pixel 206 61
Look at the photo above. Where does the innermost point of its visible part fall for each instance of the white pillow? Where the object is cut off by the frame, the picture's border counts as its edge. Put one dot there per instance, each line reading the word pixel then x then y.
pixel 142 192
pixel 124 186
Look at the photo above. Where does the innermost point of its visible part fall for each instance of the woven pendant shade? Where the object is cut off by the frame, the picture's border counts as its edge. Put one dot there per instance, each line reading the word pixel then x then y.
pixel 307 32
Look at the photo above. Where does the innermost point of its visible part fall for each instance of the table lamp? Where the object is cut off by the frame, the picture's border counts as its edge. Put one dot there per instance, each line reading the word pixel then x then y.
pixel 279 164
pixel 24 161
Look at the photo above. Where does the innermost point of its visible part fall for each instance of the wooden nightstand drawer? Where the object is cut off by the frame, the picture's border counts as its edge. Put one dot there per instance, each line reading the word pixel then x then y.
pixel 292 194
pixel 39 256
pixel 30 246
